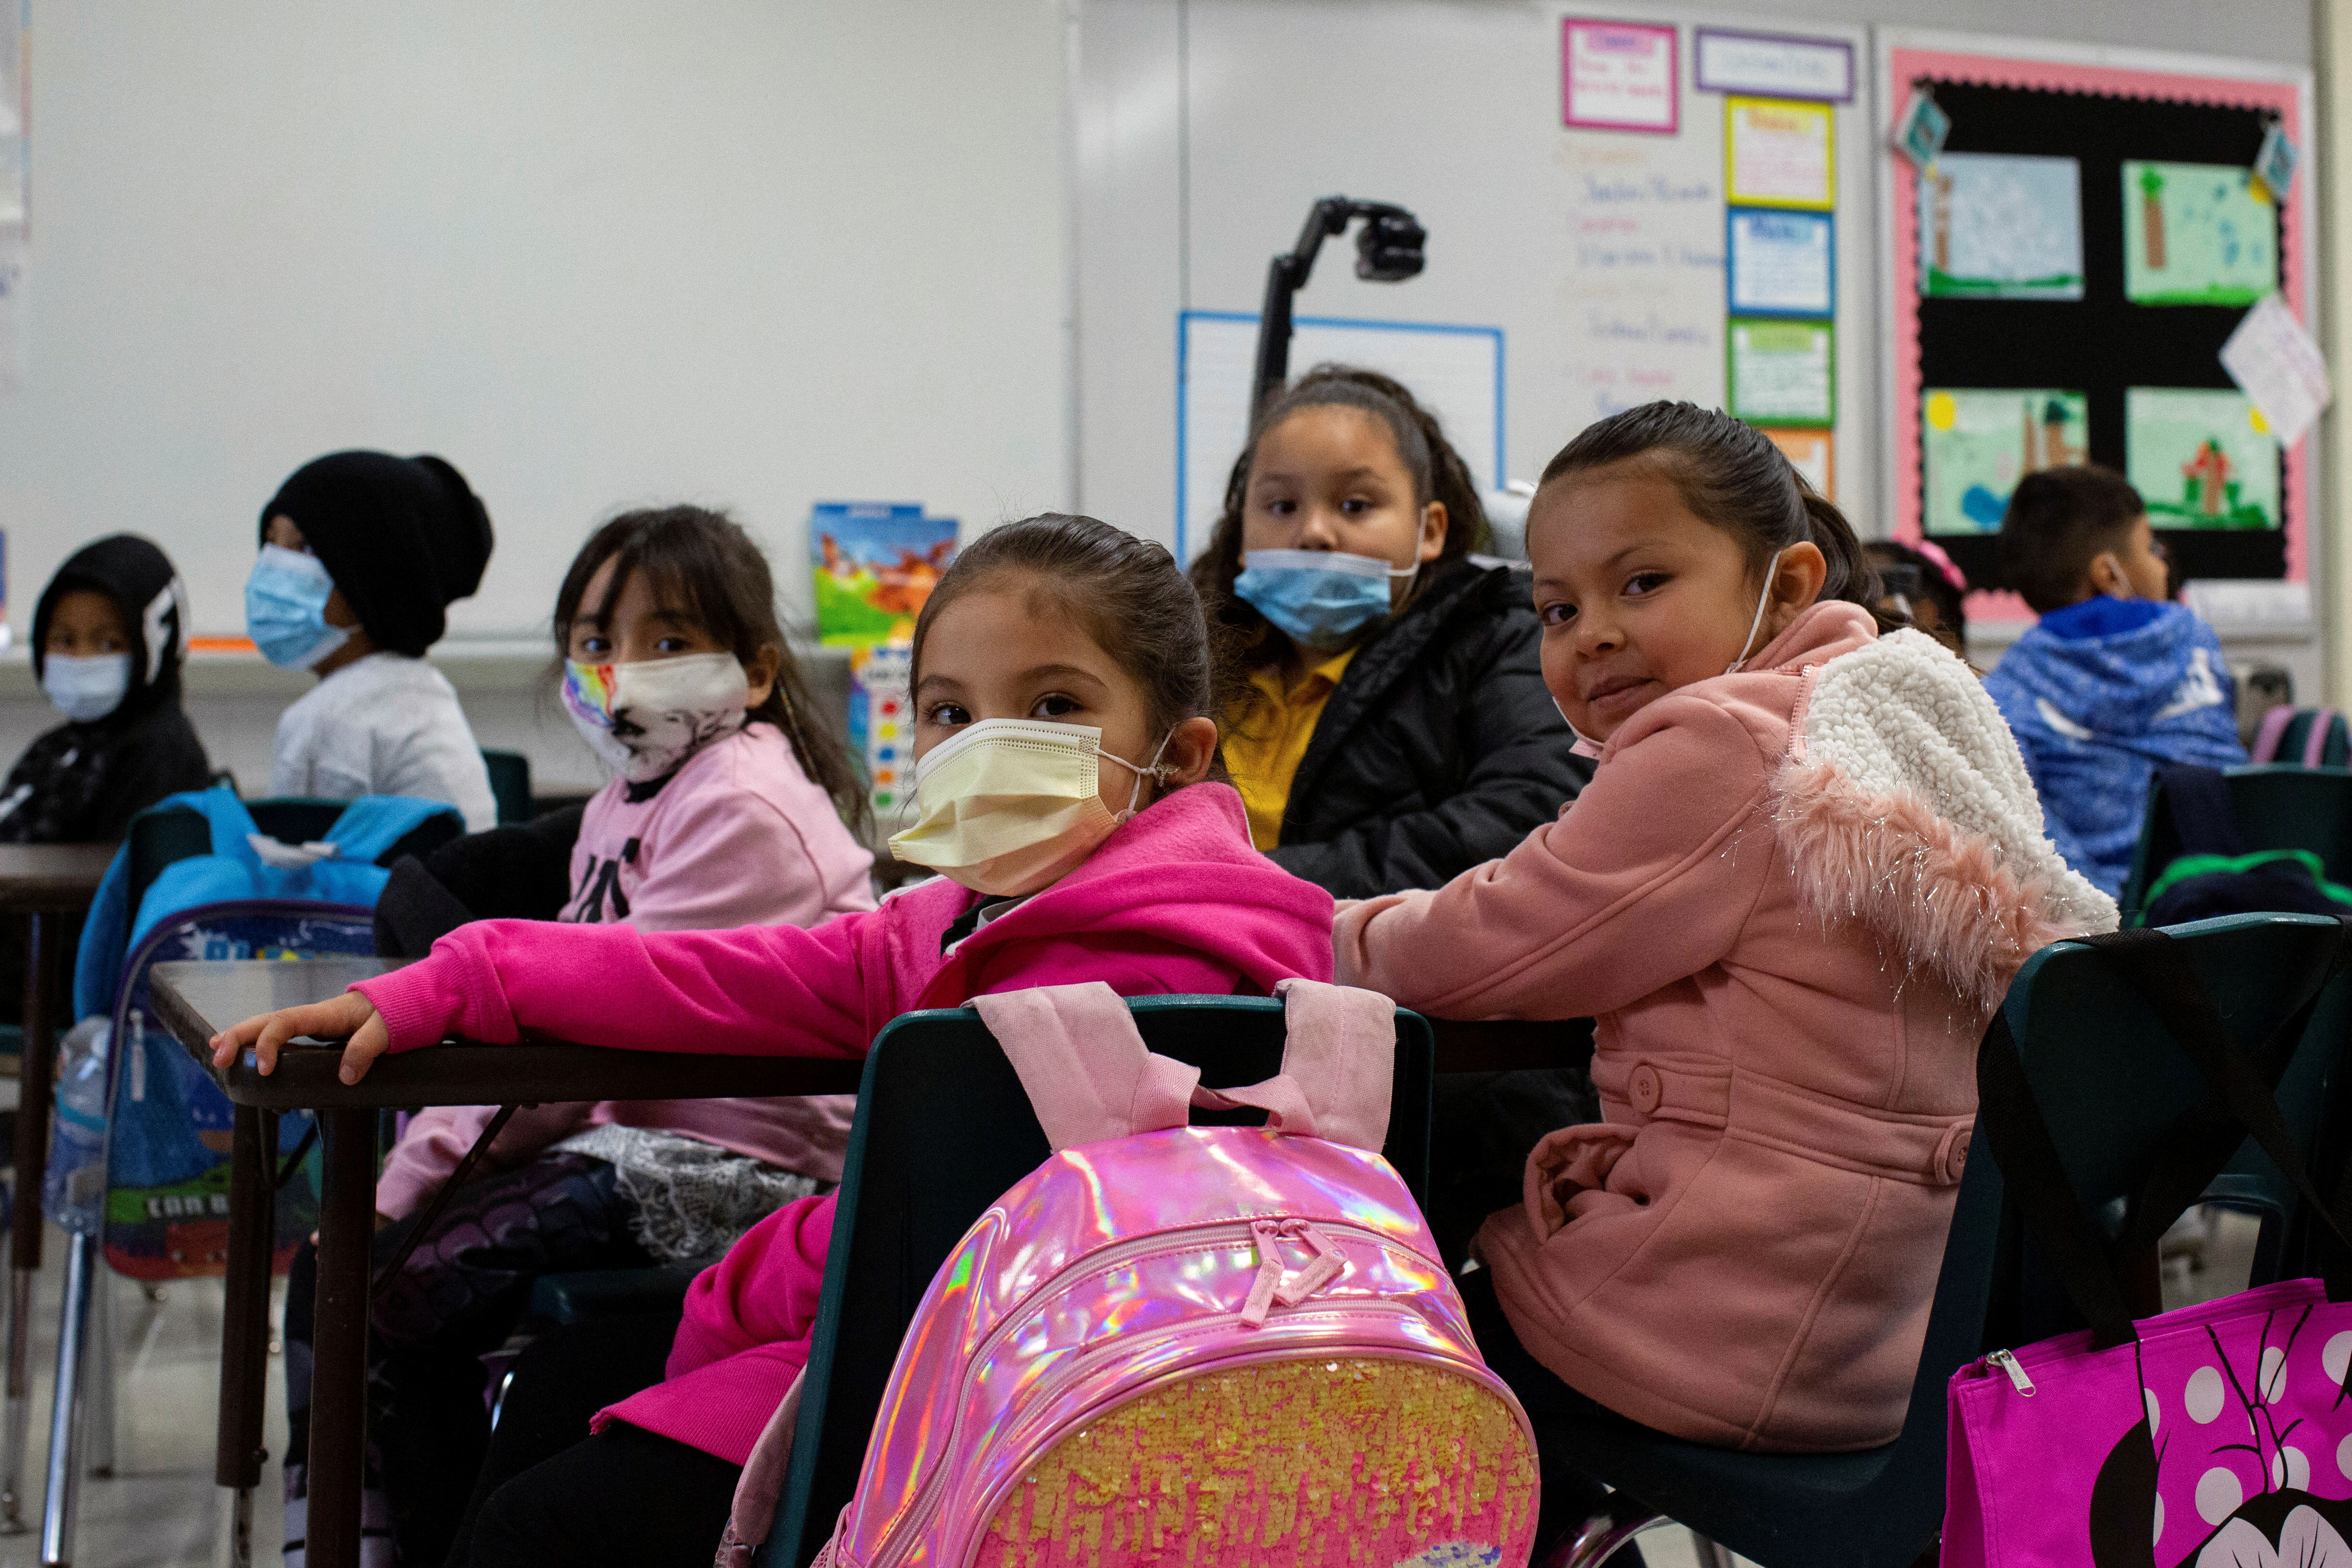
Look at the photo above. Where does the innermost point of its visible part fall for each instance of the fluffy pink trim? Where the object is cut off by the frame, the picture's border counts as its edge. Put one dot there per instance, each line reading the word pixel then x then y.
pixel 1946 896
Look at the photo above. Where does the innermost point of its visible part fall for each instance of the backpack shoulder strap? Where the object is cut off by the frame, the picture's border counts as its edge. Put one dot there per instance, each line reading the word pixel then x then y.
pixel 2324 721
pixel 2273 733
pixel 2203 816
pixel 374 823
pixel 1088 1074
pixel 1339 1067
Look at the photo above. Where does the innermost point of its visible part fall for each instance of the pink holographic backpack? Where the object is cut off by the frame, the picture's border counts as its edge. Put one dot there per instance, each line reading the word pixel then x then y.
pixel 1199 1345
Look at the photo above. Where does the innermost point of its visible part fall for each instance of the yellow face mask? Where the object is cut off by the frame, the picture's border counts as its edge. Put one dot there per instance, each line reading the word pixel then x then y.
pixel 1012 805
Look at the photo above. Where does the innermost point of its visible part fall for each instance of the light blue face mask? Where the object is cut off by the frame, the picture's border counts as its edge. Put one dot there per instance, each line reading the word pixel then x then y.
pixel 286 609
pixel 85 689
pixel 1322 599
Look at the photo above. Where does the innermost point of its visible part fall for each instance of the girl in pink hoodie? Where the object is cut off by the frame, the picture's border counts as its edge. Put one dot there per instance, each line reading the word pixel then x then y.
pixel 725 809
pixel 1064 758
pixel 1807 865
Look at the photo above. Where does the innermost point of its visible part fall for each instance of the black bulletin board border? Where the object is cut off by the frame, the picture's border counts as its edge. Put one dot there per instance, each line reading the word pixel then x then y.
pixel 2100 344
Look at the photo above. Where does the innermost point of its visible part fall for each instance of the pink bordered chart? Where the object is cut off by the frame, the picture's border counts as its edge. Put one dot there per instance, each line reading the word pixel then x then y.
pixel 1620 76
pixel 2096 359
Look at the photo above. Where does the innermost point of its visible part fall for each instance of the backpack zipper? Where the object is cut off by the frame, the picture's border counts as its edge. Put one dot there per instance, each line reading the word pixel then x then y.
pixel 918 1513
pixel 2008 1364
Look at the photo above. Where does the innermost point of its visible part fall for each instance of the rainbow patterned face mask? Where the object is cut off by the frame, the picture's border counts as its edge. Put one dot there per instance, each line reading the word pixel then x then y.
pixel 645 719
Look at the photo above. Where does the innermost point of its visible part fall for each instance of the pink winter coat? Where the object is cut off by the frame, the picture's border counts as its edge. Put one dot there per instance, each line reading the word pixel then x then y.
pixel 1791 896
pixel 1175 901
pixel 738 836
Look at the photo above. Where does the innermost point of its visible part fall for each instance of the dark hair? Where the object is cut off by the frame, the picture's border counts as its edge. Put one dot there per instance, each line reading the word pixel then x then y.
pixel 2058 522
pixel 1947 597
pixel 1438 474
pixel 702 562
pixel 1731 475
pixel 1125 591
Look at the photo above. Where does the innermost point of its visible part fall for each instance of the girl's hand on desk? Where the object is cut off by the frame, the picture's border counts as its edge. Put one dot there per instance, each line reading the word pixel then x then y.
pixel 349 1014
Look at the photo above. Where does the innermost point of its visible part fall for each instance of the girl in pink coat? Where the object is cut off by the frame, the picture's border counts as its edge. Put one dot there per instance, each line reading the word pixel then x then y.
pixel 1805 870
pixel 1062 688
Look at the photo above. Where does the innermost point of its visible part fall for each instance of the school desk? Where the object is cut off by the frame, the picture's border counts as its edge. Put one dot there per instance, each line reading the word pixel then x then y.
pixel 197 1001
pixel 48 884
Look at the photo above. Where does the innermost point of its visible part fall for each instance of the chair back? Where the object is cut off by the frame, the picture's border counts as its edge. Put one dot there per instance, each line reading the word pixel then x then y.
pixel 510 784
pixel 943 1128
pixel 2277 807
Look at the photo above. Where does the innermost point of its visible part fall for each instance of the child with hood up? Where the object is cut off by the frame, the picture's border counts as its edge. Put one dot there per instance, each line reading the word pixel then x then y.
pixel 107 638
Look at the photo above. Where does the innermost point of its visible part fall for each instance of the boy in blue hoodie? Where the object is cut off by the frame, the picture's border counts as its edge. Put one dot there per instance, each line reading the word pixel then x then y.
pixel 2115 681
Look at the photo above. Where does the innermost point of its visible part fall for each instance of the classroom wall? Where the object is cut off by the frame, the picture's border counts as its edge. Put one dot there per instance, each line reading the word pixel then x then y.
pixel 597 252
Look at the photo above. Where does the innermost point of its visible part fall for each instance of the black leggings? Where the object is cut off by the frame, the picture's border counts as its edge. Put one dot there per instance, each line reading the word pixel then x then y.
pixel 622 1499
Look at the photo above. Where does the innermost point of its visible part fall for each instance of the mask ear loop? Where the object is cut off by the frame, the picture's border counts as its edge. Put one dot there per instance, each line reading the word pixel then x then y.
pixel 1762 600
pixel 1157 771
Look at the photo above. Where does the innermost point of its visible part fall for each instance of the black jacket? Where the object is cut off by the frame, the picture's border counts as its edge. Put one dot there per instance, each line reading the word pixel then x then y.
pixel 82 783
pixel 1439 750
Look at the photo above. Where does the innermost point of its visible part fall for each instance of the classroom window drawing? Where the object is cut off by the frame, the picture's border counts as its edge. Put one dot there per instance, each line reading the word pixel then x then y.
pixel 1979 441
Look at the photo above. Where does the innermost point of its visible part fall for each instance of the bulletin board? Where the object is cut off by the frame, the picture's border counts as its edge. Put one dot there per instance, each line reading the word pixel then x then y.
pixel 2059 289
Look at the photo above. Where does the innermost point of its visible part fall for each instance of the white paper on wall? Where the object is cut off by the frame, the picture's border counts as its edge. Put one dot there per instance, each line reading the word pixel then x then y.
pixel 2275 362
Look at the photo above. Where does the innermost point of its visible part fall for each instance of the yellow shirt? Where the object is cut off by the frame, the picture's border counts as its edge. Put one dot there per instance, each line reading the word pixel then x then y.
pixel 1265 738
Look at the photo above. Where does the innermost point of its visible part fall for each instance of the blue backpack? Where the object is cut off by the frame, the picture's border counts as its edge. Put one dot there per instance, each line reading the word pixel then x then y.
pixel 245 864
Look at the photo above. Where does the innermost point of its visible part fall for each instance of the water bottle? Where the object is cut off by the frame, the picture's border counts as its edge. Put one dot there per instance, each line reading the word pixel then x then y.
pixel 74 1191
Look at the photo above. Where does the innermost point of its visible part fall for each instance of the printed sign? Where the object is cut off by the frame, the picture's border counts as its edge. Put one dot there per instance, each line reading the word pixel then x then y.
pixel 1778 153
pixel 1768 65
pixel 1780 263
pixel 1618 76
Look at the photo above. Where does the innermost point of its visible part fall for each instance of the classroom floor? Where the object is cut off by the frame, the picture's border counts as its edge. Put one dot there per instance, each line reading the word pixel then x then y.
pixel 161 1509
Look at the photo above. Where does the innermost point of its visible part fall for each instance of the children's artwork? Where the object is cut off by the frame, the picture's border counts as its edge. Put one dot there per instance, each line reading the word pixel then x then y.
pixel 1772 64
pixel 1780 263
pixel 1812 454
pixel 1778 153
pixel 1977 443
pixel 882 724
pixel 2201 458
pixel 1920 130
pixel 2275 362
pixel 1781 372
pixel 875 563
pixel 2195 233
pixel 2274 164
pixel 1618 76
pixel 2001 227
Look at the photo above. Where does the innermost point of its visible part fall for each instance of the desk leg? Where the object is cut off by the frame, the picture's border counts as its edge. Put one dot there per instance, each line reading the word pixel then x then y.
pixel 245 1326
pixel 32 1159
pixel 338 1337
pixel 66 1407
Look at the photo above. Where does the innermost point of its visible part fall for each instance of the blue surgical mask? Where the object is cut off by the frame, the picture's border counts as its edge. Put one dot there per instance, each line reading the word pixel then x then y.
pixel 85 689
pixel 286 609
pixel 1321 599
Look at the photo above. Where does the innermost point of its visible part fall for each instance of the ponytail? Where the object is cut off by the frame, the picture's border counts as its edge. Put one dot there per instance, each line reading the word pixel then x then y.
pixel 1730 474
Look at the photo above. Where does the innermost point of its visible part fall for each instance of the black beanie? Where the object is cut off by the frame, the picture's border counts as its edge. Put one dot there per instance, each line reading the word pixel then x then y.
pixel 141 579
pixel 402 536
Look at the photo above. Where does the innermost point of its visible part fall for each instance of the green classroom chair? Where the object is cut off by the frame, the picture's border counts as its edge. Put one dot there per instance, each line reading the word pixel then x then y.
pixel 510 784
pixel 2111 1085
pixel 2277 807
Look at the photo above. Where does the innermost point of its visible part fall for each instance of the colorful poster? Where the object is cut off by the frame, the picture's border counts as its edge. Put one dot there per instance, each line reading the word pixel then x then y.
pixel 1812 454
pixel 875 563
pixel 1618 76
pixel 2201 458
pixel 882 724
pixel 1778 153
pixel 2195 233
pixel 1782 373
pixel 1771 65
pixel 1780 263
pixel 2000 227
pixel 2275 362
pixel 1977 444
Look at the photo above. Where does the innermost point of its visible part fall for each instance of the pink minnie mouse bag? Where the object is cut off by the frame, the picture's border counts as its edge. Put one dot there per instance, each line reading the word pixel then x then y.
pixel 2219 1436
pixel 1174 1344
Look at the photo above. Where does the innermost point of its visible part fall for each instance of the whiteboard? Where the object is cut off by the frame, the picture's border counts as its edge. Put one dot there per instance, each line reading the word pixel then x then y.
pixel 1598 256
pixel 602 253
pixel 1455 372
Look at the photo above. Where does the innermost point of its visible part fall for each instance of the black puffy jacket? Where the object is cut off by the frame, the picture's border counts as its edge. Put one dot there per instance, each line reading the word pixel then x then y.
pixel 1440 748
